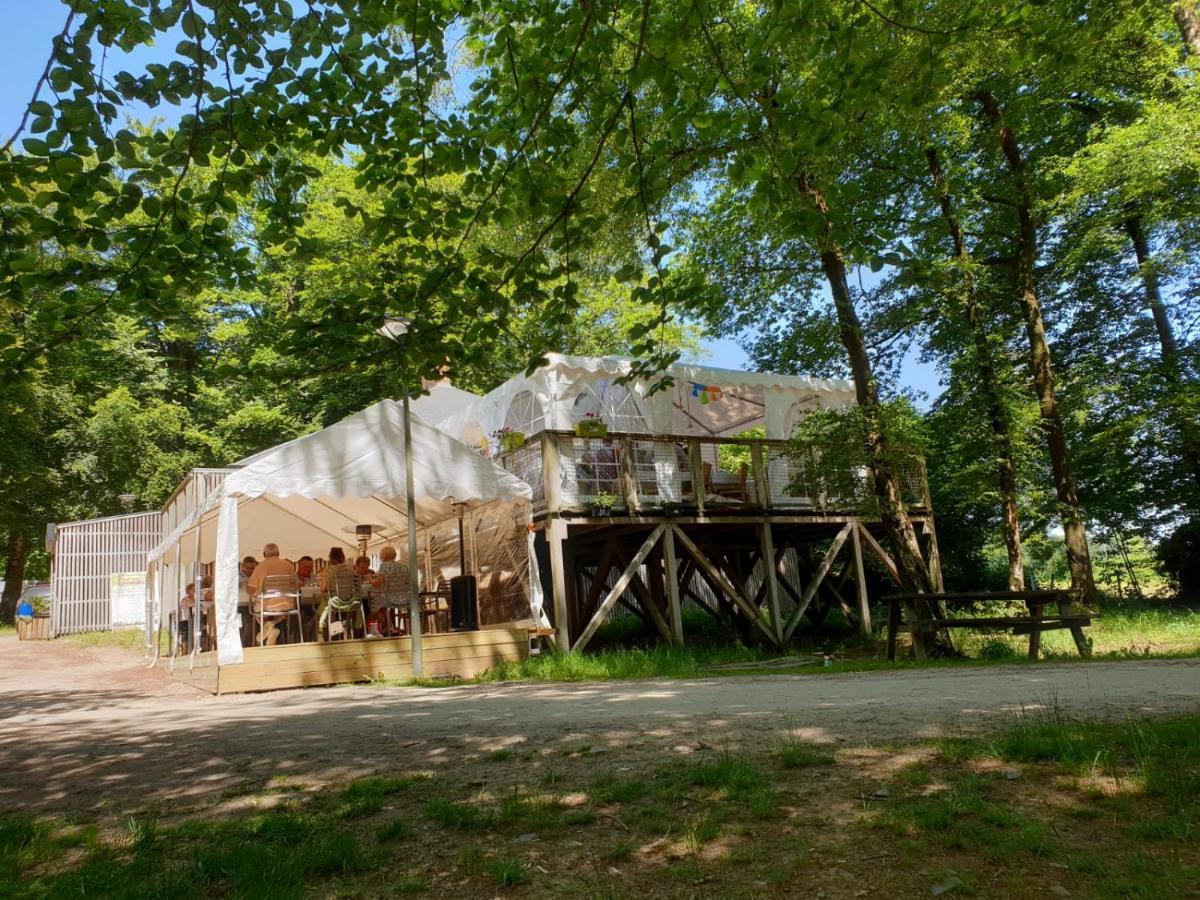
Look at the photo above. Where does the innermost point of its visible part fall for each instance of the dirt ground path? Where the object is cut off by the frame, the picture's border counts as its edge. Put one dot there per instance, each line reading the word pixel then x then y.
pixel 92 730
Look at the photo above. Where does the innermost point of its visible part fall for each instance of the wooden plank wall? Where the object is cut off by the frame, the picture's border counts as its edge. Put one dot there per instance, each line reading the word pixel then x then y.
pixel 85 555
pixel 462 654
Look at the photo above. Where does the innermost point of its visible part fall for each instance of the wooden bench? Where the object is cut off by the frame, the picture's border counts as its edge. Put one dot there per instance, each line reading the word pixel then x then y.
pixel 1033 623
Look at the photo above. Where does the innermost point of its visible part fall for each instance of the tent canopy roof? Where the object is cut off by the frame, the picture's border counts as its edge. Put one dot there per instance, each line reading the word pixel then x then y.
pixel 621 365
pixel 355 471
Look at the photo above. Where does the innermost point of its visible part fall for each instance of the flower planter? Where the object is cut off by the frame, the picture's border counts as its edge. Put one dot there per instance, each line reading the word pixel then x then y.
pixel 512 441
pixel 591 428
pixel 599 511
pixel 35 629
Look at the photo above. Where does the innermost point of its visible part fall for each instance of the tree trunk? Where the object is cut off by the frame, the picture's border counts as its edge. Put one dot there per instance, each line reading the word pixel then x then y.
pixel 1187 17
pixel 14 576
pixel 910 564
pixel 1189 439
pixel 1006 475
pixel 1078 558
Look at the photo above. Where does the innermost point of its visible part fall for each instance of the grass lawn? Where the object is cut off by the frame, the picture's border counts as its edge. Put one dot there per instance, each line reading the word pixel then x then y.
pixel 1121 632
pixel 1046 807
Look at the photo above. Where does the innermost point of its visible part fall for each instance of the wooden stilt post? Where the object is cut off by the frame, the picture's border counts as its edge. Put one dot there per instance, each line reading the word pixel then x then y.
pixel 860 576
pixel 772 581
pixel 556 534
pixel 671 574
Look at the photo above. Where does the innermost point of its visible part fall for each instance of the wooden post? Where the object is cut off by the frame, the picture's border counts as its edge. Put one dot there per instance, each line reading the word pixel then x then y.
pixel 860 575
pixel 671 566
pixel 699 488
pixel 551 480
pixel 556 535
pixel 769 576
pixel 758 471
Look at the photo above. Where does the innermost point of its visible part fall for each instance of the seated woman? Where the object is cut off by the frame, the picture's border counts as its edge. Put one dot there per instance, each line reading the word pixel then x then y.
pixel 339 583
pixel 391 589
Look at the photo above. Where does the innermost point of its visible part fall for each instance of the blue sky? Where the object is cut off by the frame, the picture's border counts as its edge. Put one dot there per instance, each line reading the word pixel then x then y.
pixel 25 46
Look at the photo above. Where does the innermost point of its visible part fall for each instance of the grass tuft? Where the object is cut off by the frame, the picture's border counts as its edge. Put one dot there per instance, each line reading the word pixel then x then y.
pixel 791 753
pixel 463 816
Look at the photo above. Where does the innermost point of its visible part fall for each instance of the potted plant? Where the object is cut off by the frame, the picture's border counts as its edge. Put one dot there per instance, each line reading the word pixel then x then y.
pixel 33 616
pixel 591 426
pixel 508 439
pixel 601 504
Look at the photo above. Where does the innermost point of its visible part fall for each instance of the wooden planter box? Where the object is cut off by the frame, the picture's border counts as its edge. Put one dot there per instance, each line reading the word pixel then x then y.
pixel 35 629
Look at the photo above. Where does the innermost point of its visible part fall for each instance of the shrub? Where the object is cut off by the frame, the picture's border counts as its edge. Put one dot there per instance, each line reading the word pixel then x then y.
pixel 1179 555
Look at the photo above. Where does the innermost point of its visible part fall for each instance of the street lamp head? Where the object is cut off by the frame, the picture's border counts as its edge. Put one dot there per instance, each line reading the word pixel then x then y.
pixel 394 327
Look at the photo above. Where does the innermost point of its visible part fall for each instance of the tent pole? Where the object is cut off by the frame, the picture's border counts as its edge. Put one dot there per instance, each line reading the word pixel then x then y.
pixel 414 599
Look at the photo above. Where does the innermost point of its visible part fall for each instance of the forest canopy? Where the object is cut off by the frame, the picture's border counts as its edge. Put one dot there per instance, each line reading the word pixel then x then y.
pixel 196 251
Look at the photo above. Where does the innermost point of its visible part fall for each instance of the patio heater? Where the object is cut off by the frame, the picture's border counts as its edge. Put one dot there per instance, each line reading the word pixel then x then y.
pixel 394 328
pixel 362 534
pixel 464 601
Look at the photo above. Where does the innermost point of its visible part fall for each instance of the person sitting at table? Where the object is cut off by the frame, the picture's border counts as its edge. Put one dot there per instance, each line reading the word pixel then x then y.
pixel 391 588
pixel 304 572
pixel 245 570
pixel 339 583
pixel 336 572
pixel 272 564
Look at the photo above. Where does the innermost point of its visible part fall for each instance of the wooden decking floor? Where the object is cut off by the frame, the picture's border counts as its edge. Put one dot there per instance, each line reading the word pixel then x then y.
pixel 464 654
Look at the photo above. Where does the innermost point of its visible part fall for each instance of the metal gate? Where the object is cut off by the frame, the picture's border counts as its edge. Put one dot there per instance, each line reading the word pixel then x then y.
pixel 87 556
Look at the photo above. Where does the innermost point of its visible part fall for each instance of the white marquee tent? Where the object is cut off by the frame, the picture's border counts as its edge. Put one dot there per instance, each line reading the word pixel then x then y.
pixel 305 494
pixel 702 402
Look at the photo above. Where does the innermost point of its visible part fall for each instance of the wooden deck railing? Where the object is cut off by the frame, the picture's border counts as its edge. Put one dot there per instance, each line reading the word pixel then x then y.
pixel 653 473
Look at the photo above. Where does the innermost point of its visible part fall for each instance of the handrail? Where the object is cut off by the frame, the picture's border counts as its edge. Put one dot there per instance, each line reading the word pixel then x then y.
pixel 562 489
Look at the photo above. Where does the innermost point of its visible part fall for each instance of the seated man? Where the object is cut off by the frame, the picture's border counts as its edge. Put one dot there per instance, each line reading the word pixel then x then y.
pixel 272 564
pixel 245 570
pixel 304 572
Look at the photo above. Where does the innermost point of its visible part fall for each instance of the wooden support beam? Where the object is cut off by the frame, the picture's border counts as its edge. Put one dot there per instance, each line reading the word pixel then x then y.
pixel 653 614
pixel 619 588
pixel 860 576
pixel 671 575
pixel 880 554
pixel 593 595
pixel 822 571
pixel 726 586
pixel 556 535
pixel 769 577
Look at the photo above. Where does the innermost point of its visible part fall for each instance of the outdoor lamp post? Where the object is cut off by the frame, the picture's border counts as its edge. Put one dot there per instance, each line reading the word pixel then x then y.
pixel 394 328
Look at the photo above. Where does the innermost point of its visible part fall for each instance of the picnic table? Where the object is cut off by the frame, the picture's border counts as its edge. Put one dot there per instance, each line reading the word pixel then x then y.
pixel 1033 621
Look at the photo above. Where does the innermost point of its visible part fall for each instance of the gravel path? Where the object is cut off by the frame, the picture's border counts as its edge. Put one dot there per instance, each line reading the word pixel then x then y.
pixel 93 730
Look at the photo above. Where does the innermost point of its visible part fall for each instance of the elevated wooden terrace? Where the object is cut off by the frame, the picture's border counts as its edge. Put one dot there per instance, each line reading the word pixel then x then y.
pixel 750 530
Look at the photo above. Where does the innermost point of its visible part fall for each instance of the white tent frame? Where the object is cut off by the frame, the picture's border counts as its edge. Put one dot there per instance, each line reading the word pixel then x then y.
pixel 354 469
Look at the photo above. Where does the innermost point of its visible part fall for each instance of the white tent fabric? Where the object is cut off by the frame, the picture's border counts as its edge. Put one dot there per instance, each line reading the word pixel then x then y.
pixel 691 407
pixel 308 492
pixel 443 401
